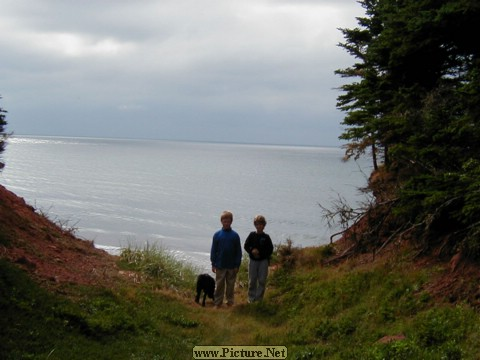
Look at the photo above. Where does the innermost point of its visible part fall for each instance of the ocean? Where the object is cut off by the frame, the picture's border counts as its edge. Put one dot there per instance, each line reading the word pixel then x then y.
pixel 124 192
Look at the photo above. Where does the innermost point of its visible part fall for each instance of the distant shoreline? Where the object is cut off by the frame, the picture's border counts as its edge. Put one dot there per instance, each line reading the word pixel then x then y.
pixel 176 140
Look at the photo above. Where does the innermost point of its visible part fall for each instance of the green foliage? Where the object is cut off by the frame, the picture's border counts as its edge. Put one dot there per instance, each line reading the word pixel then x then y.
pixel 161 265
pixel 437 333
pixel 94 324
pixel 285 254
pixel 3 134
pixel 341 314
pixel 415 104
pixel 438 326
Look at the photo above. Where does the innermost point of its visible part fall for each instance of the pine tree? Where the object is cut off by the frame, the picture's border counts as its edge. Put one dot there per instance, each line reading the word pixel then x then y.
pixel 416 105
pixel 3 135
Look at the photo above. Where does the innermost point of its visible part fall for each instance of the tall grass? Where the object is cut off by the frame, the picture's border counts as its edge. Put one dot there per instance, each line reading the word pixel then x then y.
pixel 160 265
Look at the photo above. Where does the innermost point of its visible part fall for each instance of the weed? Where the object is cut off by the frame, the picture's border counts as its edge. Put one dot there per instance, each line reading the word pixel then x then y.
pixel 285 254
pixel 160 265
pixel 65 225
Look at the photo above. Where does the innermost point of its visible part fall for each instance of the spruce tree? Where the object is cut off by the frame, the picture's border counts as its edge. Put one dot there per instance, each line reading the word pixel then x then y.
pixel 415 103
pixel 3 135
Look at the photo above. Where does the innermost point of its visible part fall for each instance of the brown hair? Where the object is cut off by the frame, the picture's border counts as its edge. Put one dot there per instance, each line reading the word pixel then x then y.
pixel 259 219
pixel 226 214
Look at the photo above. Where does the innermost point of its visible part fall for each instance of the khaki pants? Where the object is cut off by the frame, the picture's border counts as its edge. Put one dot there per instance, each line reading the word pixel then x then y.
pixel 225 286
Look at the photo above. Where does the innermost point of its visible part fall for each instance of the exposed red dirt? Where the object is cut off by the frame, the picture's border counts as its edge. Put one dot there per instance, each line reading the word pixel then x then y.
pixel 51 254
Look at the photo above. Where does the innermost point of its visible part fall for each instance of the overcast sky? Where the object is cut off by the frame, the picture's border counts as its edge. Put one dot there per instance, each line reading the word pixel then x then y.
pixel 254 71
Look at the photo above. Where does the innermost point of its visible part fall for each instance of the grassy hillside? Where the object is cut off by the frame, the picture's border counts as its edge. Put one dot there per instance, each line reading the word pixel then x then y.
pixel 63 299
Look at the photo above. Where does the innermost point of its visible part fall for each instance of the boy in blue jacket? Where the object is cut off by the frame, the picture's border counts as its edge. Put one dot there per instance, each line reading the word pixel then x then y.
pixel 226 257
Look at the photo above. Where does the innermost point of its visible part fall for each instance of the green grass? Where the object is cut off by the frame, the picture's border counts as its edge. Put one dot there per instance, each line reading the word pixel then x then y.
pixel 94 324
pixel 317 312
pixel 159 266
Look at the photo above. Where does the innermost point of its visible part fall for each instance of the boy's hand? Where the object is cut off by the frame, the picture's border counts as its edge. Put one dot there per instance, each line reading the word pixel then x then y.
pixel 255 253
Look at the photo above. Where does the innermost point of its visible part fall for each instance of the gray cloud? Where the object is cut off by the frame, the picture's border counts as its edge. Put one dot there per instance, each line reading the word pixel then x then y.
pixel 214 70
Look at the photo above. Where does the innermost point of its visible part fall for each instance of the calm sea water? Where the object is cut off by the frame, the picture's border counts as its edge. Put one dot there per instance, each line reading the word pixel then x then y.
pixel 133 192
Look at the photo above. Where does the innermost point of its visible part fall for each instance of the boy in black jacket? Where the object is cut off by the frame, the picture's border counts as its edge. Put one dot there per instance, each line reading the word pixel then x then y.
pixel 259 247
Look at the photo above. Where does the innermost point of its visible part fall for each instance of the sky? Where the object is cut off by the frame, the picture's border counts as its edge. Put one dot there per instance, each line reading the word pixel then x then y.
pixel 248 71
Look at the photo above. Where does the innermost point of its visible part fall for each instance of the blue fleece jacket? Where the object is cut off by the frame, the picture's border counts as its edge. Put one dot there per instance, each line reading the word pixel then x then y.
pixel 226 252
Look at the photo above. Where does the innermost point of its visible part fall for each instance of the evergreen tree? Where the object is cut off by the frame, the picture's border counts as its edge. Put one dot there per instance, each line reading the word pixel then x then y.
pixel 3 135
pixel 417 104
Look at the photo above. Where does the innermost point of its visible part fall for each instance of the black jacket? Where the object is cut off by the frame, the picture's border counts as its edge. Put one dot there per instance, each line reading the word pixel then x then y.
pixel 262 242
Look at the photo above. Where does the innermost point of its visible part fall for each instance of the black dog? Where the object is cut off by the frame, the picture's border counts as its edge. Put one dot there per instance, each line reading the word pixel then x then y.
pixel 205 283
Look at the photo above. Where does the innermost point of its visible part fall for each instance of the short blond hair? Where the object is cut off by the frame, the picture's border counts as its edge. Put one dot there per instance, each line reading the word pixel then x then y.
pixel 259 219
pixel 226 214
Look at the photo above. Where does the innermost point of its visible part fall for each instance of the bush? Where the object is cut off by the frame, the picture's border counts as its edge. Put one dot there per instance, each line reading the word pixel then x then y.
pixel 285 254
